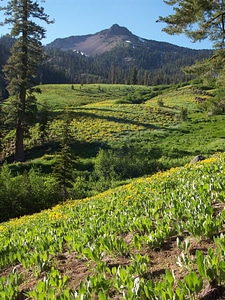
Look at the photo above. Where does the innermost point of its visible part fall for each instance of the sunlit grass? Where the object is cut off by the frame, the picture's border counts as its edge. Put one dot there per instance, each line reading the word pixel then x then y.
pixel 152 210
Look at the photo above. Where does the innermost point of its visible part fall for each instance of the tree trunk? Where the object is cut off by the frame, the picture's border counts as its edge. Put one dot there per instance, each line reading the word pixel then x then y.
pixel 19 151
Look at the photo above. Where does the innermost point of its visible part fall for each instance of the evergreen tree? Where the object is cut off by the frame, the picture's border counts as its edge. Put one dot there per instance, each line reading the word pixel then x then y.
pixel 134 76
pixel 198 19
pixel 113 73
pixel 201 19
pixel 21 67
pixel 43 118
pixel 63 170
pixel 147 78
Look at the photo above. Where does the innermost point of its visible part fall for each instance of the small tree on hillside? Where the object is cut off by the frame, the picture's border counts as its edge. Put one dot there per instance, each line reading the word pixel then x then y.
pixel 43 118
pixel 184 113
pixel 113 73
pixel 134 76
pixel 21 67
pixel 63 170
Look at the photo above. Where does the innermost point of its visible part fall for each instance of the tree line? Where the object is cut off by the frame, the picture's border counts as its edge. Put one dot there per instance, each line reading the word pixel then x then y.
pixel 156 65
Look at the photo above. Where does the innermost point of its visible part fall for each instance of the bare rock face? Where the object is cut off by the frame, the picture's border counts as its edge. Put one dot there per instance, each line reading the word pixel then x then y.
pixel 118 30
pixel 197 158
pixel 98 43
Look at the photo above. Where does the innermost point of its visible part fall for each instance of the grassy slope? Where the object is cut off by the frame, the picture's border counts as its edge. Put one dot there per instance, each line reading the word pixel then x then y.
pixel 60 95
pixel 98 118
pixel 124 241
pixel 156 237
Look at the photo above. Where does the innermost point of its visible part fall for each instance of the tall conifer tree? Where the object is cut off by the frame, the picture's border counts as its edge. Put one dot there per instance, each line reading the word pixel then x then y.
pixel 64 167
pixel 134 79
pixel 199 20
pixel 21 67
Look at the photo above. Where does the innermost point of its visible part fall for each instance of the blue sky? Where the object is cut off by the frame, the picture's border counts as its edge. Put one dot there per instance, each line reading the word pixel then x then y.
pixel 81 17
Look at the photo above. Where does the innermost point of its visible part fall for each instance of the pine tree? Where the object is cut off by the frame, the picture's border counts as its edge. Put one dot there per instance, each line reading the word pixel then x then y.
pixel 198 20
pixel 134 76
pixel 21 67
pixel 1 127
pixel 63 170
pixel 113 73
pixel 43 118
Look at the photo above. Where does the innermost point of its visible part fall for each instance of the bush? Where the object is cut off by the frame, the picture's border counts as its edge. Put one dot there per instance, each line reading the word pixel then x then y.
pixel 26 193
pixel 118 165
pixel 138 97
pixel 80 188
pixel 184 113
pixel 160 103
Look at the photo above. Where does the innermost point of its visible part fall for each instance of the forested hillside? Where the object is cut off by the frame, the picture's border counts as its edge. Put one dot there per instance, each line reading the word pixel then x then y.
pixel 114 54
pixel 156 63
pixel 4 54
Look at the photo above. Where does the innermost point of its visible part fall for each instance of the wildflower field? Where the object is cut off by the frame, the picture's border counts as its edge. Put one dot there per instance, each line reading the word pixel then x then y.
pixel 98 115
pixel 101 114
pixel 159 237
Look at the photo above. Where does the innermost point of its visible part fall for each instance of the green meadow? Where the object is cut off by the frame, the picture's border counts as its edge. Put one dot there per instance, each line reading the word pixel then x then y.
pixel 133 131
pixel 118 115
pixel 142 222
pixel 119 132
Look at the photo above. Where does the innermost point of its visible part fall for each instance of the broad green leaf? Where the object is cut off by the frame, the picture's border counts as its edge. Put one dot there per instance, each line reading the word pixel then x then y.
pixel 169 277
pixel 102 296
pixel 193 282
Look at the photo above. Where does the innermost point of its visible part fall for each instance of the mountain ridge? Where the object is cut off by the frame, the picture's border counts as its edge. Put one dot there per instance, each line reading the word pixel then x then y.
pixel 104 41
pixel 111 56
pixel 97 43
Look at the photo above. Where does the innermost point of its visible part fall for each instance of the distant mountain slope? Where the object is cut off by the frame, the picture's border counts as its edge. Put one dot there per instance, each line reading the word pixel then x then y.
pixel 107 40
pixel 110 55
pixel 97 43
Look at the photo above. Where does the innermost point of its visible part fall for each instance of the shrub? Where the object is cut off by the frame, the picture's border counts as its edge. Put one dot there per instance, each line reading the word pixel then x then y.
pixel 119 165
pixel 160 103
pixel 26 193
pixel 184 113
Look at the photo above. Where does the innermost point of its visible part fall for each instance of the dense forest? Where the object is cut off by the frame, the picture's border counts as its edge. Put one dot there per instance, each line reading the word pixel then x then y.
pixel 5 44
pixel 159 63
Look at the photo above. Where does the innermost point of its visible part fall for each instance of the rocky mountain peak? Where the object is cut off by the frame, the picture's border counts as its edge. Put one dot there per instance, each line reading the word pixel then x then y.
pixel 115 29
pixel 97 43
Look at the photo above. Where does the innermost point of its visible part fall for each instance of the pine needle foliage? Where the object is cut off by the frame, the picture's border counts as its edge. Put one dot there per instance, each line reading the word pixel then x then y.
pixel 199 20
pixel 21 68
pixel 63 170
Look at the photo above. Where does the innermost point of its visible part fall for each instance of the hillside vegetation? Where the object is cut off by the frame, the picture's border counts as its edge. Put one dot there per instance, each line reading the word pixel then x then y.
pixel 159 237
pixel 115 132
pixel 124 113
pixel 156 62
